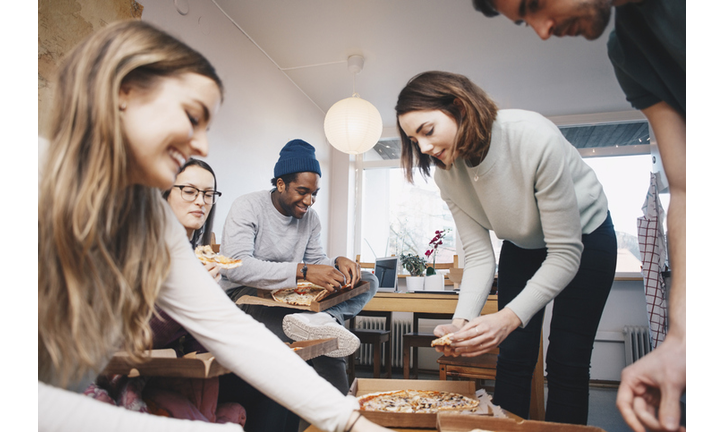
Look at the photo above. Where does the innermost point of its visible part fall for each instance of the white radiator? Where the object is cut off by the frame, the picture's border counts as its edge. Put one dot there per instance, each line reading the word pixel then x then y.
pixel 399 328
pixel 636 342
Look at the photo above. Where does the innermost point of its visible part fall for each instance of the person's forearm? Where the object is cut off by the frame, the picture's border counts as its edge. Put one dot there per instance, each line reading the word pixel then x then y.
pixel 670 132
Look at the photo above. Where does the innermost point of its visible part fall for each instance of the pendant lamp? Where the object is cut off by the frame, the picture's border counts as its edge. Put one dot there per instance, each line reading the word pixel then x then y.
pixel 353 125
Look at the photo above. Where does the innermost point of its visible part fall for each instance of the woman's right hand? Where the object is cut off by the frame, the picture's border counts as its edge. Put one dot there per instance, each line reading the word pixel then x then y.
pixel 444 329
pixel 213 270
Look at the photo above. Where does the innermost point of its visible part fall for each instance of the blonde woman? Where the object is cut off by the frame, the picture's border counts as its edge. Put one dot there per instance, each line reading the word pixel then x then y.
pixel 133 104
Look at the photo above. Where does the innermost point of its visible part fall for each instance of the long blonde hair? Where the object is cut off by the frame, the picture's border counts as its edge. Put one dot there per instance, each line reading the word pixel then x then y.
pixel 102 256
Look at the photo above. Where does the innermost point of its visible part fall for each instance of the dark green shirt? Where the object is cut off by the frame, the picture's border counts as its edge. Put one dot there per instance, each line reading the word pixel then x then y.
pixel 648 50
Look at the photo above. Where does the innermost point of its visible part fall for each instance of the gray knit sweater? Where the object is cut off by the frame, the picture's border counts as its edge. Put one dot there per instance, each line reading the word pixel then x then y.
pixel 532 189
pixel 269 244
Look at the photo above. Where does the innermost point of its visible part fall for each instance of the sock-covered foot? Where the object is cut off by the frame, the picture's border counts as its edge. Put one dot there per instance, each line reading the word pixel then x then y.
pixel 310 325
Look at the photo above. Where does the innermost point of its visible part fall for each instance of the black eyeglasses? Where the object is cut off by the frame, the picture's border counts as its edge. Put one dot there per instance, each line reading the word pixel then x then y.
pixel 189 193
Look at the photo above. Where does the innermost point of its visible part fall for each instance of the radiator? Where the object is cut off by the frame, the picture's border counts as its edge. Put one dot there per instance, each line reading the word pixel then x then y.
pixel 636 342
pixel 399 328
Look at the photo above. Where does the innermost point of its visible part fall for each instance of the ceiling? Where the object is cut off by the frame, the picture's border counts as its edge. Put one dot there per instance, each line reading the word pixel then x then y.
pixel 401 38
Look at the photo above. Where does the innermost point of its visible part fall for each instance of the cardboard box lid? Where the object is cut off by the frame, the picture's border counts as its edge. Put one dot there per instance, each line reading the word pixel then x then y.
pixel 263 298
pixel 363 386
pixel 310 349
pixel 164 362
pixel 447 422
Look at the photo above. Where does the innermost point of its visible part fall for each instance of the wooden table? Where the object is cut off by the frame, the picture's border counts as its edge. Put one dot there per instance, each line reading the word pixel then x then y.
pixel 446 303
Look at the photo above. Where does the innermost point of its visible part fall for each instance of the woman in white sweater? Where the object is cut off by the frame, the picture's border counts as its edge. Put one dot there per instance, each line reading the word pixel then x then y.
pixel 132 105
pixel 513 172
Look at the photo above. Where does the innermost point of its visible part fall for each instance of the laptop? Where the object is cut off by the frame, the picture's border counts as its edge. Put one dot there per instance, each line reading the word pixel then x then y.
pixel 386 272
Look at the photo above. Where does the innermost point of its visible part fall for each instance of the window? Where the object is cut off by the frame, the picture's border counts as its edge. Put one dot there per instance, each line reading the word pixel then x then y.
pixel 398 217
pixel 625 181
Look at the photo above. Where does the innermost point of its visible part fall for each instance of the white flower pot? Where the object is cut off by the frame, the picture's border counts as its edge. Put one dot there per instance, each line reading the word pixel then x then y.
pixel 415 283
pixel 434 283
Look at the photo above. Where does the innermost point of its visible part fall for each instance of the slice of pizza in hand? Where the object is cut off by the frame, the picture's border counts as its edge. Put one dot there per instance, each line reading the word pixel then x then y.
pixel 442 341
pixel 207 255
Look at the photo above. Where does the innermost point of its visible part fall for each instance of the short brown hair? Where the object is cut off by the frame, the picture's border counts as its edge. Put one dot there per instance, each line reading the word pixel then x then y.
pixel 457 96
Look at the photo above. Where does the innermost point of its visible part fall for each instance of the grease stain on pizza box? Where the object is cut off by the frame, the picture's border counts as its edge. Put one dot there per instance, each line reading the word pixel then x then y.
pixel 264 298
pixel 456 423
pixel 363 386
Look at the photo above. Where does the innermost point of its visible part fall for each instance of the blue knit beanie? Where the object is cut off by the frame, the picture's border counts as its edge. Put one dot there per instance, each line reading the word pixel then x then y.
pixel 296 156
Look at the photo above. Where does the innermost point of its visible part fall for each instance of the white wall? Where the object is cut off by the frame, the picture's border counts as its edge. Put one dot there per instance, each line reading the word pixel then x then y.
pixel 262 110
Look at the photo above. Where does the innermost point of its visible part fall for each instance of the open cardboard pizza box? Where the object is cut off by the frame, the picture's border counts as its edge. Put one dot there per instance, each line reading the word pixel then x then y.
pixel 363 386
pixel 264 298
pixel 163 362
pixel 310 349
pixel 465 423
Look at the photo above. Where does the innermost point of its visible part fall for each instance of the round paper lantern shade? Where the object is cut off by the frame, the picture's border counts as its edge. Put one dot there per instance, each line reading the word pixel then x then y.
pixel 353 125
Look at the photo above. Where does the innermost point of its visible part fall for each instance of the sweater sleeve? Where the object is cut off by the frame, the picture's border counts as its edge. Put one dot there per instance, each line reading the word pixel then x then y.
pixel 314 253
pixel 560 221
pixel 240 231
pixel 64 411
pixel 479 264
pixel 243 345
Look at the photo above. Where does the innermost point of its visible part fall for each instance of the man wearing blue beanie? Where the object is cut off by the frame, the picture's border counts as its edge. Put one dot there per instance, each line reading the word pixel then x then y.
pixel 277 235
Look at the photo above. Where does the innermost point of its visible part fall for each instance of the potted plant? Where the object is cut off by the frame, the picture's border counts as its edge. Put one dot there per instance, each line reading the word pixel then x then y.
pixel 434 281
pixel 416 266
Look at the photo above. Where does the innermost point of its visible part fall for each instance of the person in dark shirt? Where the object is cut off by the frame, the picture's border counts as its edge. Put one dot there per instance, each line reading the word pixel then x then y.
pixel 647 49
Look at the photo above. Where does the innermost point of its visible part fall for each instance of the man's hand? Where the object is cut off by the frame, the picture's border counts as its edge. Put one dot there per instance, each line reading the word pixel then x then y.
pixel 325 276
pixel 350 269
pixel 654 383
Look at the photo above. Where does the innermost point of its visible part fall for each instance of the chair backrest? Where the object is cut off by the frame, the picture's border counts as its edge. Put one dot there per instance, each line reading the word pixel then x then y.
pixel 446 266
pixel 455 276
pixel 214 246
pixel 417 316
pixel 365 264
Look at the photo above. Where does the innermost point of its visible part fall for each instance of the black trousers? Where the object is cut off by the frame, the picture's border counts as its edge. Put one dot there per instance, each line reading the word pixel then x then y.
pixel 576 313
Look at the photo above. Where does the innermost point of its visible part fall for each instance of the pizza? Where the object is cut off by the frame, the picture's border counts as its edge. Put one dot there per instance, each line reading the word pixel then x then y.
pixel 442 341
pixel 207 255
pixel 303 295
pixel 416 401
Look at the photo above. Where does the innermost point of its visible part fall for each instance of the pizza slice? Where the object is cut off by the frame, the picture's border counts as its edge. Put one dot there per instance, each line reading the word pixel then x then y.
pixel 207 255
pixel 303 295
pixel 442 341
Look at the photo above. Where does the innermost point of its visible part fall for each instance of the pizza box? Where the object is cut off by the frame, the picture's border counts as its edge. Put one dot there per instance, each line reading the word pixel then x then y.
pixel 264 298
pixel 363 386
pixel 163 362
pixel 310 349
pixel 447 422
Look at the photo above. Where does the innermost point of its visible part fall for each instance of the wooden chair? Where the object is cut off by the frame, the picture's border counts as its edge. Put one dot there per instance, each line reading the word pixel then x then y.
pixel 377 338
pixel 214 246
pixel 415 339
pixel 484 367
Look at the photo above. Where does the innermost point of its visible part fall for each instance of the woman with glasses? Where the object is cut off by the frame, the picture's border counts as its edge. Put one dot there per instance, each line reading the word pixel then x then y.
pixel 132 105
pixel 193 201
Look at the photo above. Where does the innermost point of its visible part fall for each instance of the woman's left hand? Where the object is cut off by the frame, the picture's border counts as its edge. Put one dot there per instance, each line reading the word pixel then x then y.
pixel 213 270
pixel 485 333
